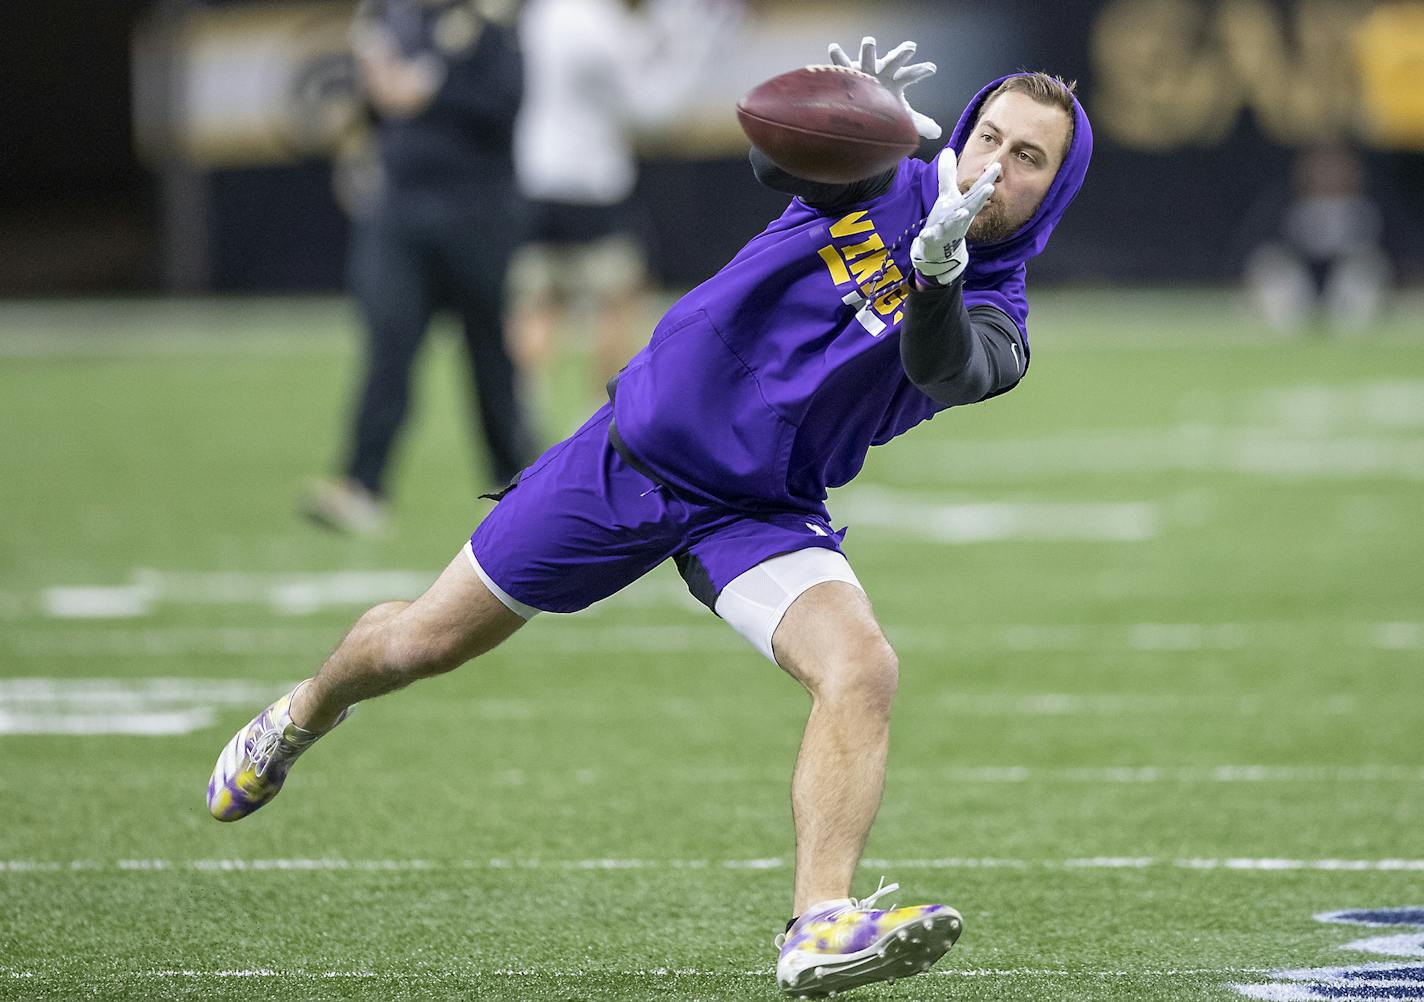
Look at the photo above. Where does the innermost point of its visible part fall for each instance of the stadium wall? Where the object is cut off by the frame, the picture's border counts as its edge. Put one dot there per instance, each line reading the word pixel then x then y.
pixel 228 183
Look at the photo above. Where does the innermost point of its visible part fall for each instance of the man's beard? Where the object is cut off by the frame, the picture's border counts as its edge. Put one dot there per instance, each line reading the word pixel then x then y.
pixel 992 224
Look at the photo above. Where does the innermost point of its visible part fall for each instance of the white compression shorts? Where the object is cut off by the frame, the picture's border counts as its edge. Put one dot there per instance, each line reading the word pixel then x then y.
pixel 755 601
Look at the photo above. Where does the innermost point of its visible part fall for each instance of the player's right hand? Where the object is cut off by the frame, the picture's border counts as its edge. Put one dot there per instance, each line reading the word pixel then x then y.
pixel 895 72
pixel 939 252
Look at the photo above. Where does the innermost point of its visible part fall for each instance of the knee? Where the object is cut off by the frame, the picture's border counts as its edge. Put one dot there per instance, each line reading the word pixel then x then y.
pixel 862 676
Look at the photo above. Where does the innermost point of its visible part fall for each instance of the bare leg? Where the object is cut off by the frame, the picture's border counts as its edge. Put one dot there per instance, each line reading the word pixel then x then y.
pixel 830 642
pixel 533 335
pixel 395 643
pixel 622 327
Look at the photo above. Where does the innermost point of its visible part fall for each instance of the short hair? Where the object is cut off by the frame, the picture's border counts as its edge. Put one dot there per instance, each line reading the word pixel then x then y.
pixel 1044 88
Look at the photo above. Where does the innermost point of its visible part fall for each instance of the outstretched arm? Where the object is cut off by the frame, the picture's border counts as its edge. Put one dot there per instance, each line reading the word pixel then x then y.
pixel 953 355
pixel 956 355
pixel 826 197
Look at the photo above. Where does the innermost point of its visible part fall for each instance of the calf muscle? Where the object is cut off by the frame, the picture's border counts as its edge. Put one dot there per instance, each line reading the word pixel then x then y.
pixel 395 643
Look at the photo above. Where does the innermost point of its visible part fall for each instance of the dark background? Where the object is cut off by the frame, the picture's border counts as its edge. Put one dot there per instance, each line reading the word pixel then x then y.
pixel 79 212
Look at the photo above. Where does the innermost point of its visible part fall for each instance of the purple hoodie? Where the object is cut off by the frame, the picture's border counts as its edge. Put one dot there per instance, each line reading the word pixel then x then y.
pixel 768 383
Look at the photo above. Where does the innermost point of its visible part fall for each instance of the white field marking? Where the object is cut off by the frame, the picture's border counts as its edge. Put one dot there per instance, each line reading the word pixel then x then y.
pixel 617 865
pixel 1063 704
pixel 917 517
pixel 291 594
pixel 1359 983
pixel 138 724
pixel 1333 865
pixel 696 636
pixel 120 693
pixel 1398 636
pixel 1037 973
pixel 1399 945
pixel 96 602
pixel 309 642
pixel 1097 776
pixel 153 707
pixel 256 973
pixel 1376 969
pixel 1018 774
pixel 288 594
pixel 1323 409
pixel 1367 991
pixel 1166 637
pixel 1186 448
pixel 170 641
pixel 1349 916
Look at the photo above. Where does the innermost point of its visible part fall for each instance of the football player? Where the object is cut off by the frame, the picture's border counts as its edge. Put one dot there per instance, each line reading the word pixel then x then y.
pixel 863 310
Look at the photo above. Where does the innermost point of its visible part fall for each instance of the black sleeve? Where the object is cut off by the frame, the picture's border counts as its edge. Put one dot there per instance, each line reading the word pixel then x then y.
pixel 815 193
pixel 955 355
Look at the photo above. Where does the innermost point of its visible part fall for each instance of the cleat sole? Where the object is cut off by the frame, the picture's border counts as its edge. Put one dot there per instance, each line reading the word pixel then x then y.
pixel 897 955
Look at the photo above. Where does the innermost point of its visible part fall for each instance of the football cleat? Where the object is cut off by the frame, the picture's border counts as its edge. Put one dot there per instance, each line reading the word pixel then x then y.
pixel 253 766
pixel 836 945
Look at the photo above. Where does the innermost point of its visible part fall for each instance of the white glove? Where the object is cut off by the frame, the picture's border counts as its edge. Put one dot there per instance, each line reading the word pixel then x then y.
pixel 939 252
pixel 893 73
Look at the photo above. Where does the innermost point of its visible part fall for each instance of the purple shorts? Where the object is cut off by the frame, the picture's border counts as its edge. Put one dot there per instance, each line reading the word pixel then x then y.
pixel 581 524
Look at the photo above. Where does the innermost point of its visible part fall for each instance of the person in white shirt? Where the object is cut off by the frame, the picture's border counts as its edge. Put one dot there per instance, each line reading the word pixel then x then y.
pixel 597 73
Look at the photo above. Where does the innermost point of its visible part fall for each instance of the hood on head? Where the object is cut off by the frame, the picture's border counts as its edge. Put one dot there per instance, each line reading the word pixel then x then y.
pixel 989 263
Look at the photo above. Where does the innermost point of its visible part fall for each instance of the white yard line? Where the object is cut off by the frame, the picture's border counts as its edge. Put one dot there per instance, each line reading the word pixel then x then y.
pixel 286 594
pixel 613 865
pixel 1188 448
pixel 919 517
pixel 93 706
pixel 699 633
pixel 646 972
pixel 45 705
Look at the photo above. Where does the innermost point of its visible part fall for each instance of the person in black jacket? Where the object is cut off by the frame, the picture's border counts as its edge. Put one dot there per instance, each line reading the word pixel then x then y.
pixel 444 80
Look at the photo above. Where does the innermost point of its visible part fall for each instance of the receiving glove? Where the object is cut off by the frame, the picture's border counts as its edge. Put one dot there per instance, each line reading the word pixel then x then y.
pixel 893 73
pixel 940 253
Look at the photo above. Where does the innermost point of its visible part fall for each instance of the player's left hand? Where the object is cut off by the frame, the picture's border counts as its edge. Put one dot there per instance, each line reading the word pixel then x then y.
pixel 894 71
pixel 940 252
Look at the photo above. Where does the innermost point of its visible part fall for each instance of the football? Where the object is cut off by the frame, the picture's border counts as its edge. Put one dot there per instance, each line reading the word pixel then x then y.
pixel 828 123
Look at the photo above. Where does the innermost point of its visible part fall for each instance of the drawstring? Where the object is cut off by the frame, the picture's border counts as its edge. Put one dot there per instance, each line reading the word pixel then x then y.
pixel 875 276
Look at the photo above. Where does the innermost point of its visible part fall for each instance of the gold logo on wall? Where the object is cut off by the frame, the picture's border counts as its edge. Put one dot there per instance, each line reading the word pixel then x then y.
pixel 1175 73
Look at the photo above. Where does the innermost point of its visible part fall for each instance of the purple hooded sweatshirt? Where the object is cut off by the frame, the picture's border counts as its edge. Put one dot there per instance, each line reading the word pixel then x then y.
pixel 768 383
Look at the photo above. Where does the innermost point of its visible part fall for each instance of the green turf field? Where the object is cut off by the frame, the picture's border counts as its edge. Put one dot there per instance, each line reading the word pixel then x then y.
pixel 1160 613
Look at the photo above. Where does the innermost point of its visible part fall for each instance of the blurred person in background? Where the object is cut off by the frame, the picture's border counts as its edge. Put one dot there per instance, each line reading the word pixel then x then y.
pixel 444 80
pixel 597 71
pixel 1323 259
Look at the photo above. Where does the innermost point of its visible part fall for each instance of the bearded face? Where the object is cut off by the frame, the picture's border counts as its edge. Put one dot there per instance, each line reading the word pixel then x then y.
pixel 992 224
pixel 1028 140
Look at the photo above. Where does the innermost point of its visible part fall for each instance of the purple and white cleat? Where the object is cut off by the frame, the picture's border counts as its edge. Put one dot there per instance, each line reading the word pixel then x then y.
pixel 253 766
pixel 836 945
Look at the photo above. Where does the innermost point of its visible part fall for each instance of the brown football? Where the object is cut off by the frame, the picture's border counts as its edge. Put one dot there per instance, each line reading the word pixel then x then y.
pixel 828 123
